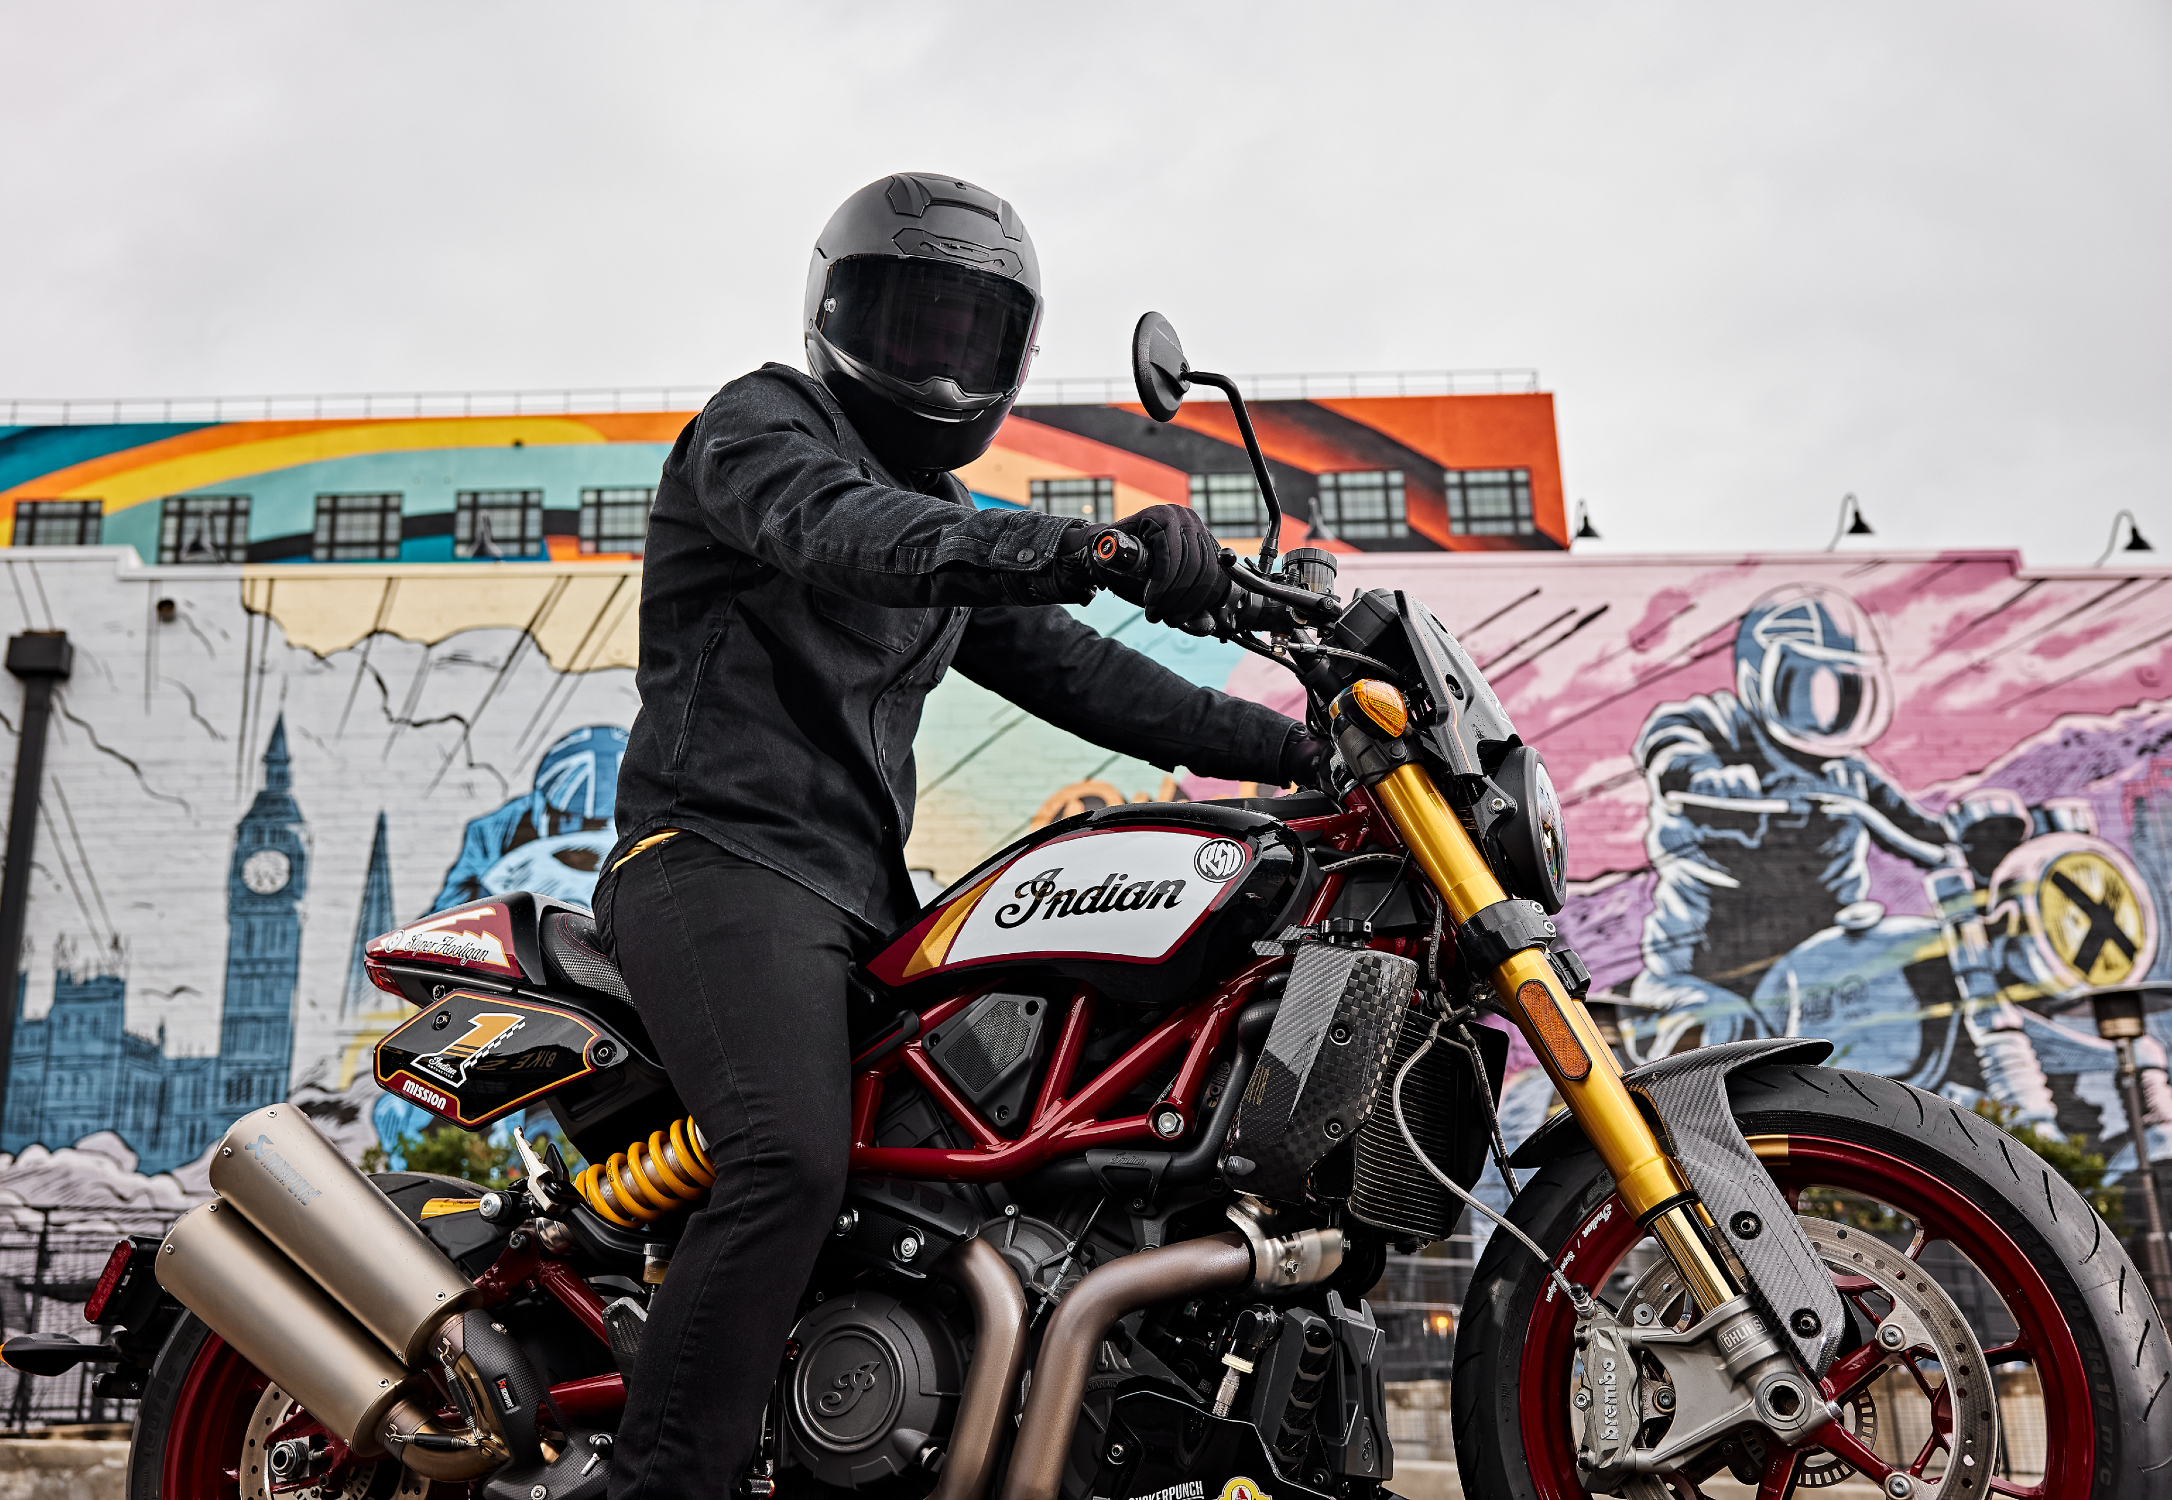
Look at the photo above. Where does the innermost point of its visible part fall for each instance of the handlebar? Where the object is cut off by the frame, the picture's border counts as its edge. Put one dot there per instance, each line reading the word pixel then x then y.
pixel 1254 604
pixel 1116 554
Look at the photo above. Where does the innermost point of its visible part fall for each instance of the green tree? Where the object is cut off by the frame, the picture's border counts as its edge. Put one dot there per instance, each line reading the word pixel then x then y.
pixel 451 1152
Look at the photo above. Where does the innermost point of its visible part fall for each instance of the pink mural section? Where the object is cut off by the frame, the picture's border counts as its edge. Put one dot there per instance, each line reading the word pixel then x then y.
pixel 1792 783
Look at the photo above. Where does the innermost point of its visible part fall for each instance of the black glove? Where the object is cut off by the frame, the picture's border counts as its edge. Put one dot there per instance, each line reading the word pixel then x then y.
pixel 1183 576
pixel 1305 760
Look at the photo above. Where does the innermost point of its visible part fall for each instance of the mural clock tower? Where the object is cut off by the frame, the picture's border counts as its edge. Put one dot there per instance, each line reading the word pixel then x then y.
pixel 265 885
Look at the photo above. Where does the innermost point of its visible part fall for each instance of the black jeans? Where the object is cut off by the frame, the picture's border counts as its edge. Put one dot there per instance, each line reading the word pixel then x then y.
pixel 739 975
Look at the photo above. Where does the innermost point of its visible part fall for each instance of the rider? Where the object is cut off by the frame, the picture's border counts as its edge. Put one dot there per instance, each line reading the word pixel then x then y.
pixel 1760 795
pixel 812 570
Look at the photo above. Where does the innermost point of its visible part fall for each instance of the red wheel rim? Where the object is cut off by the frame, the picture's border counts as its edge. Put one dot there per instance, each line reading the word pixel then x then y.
pixel 1598 1244
pixel 210 1420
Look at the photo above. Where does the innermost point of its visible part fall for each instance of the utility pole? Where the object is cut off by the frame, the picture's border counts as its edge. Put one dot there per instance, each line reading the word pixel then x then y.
pixel 2119 1021
pixel 40 658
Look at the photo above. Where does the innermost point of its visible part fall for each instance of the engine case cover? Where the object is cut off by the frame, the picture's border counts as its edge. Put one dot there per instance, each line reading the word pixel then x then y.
pixel 875 1381
pixel 1319 1072
pixel 1143 902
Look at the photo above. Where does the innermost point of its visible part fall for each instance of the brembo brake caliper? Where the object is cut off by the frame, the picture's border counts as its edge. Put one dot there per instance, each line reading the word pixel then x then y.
pixel 1723 1373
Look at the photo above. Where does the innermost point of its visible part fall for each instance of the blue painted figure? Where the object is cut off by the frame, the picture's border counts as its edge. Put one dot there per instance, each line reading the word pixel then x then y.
pixel 1763 810
pixel 552 838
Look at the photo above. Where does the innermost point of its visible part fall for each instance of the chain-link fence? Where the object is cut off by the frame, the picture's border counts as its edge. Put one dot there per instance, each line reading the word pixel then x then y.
pixel 49 1261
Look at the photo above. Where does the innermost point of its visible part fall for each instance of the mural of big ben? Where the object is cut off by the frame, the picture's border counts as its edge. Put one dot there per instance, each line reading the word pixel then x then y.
pixel 265 884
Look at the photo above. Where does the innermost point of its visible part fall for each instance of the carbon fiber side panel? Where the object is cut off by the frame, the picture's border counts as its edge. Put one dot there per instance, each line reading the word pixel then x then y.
pixel 1319 1071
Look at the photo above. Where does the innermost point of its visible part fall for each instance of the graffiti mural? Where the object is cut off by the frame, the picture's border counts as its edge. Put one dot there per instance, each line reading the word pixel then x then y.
pixel 1917 804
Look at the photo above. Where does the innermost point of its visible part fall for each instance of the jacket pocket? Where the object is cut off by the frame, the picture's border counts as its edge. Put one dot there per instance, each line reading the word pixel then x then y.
pixel 891 629
pixel 693 699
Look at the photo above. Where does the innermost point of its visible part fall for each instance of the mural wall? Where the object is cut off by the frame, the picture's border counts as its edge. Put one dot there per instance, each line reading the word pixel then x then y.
pixel 1913 803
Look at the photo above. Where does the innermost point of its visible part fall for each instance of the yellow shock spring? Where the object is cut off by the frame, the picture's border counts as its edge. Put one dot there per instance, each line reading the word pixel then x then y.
pixel 649 1178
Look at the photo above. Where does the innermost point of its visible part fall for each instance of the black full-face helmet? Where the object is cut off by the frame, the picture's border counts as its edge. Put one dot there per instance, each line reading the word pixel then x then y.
pixel 922 303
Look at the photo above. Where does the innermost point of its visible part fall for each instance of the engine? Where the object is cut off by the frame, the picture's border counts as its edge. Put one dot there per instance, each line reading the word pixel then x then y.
pixel 873 1390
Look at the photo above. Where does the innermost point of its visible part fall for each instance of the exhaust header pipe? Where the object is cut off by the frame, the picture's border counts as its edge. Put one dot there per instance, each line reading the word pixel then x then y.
pixel 1220 1262
pixel 310 1272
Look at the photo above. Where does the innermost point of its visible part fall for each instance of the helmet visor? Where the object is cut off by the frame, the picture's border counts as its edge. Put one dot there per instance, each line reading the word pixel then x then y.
pixel 918 321
pixel 1823 700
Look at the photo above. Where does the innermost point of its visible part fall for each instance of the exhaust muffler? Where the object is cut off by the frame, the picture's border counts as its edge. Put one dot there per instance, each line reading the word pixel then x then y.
pixel 310 1272
pixel 311 1202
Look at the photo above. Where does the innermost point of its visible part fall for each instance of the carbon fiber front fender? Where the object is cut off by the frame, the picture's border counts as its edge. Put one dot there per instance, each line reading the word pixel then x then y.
pixel 1686 1094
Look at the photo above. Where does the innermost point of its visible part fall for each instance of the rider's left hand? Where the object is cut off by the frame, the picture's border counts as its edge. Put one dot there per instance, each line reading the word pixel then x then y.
pixel 1305 760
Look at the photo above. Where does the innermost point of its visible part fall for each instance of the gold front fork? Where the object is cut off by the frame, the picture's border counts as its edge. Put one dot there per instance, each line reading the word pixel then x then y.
pixel 1561 1032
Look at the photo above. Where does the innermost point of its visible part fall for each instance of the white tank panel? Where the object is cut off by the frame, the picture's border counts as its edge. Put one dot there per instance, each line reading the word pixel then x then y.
pixel 1128 893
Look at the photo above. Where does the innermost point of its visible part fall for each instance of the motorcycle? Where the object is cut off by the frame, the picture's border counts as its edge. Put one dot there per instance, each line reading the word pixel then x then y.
pixel 1149 1096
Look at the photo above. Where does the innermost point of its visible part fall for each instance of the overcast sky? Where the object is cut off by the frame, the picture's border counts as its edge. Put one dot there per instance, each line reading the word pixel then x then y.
pixel 1761 255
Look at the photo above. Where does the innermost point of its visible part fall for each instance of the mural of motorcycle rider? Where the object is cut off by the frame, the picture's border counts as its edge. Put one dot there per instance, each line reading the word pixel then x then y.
pixel 552 838
pixel 1763 810
pixel 812 571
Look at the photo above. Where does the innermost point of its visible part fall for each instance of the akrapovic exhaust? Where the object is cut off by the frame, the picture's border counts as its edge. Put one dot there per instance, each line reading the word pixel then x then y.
pixel 267 1283
pixel 311 1202
pixel 1072 1341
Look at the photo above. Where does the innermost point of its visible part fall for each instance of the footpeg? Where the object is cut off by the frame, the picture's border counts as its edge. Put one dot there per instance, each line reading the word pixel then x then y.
pixel 625 1320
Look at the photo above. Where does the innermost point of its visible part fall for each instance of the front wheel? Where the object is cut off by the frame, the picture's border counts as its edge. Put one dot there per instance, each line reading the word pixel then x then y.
pixel 2078 1357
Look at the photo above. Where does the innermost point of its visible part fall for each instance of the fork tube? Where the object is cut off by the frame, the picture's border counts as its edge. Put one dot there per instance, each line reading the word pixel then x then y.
pixel 1559 1029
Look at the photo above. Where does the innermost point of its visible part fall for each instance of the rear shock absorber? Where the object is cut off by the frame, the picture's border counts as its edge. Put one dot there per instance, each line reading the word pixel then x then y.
pixel 649 1178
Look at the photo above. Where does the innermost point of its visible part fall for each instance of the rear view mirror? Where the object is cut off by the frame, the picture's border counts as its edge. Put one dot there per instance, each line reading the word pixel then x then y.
pixel 1158 366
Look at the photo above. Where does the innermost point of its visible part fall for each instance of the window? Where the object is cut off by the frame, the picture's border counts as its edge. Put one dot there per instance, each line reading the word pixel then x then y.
pixel 498 523
pixel 1230 503
pixel 1489 502
pixel 1087 499
pixel 1363 507
pixel 58 523
pixel 204 529
pixel 615 520
pixel 357 528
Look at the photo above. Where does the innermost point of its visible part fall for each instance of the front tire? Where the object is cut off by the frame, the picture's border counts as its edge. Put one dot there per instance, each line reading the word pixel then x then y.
pixel 2085 1325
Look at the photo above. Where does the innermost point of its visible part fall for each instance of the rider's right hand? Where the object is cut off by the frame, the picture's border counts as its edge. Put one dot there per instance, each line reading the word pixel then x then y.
pixel 1182 576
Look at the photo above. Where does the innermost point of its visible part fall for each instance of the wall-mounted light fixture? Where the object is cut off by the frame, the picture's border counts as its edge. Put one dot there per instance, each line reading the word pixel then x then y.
pixel 1851 522
pixel 2136 542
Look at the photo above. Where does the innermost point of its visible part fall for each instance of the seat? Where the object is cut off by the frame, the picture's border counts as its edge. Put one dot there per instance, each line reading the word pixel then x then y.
pixel 576 959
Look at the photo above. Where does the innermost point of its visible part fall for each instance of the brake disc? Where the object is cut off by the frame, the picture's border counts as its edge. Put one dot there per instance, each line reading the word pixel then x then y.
pixel 1921 1327
pixel 1924 1330
pixel 369 1479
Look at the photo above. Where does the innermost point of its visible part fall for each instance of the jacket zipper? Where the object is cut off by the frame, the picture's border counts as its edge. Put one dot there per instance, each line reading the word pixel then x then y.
pixel 693 699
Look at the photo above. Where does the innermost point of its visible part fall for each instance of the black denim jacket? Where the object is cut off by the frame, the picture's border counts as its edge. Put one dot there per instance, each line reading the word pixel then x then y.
pixel 797 605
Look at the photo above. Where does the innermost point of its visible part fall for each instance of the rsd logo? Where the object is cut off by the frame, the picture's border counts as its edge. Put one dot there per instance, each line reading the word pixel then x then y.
pixel 1218 859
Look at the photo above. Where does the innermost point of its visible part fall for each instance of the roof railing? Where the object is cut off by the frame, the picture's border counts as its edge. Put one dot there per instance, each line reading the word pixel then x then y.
pixel 1058 390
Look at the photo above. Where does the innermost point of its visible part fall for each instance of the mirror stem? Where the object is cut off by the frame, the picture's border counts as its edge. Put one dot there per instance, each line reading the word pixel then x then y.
pixel 1269 544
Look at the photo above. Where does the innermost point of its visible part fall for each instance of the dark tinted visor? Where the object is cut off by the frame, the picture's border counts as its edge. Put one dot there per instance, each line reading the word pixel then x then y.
pixel 914 320
pixel 1816 697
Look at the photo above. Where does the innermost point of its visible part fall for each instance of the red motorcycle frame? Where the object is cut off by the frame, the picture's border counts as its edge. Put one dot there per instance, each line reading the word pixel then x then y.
pixel 1061 1126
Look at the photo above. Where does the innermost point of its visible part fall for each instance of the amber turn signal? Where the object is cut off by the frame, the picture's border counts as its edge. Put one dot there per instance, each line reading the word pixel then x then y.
pixel 1381 704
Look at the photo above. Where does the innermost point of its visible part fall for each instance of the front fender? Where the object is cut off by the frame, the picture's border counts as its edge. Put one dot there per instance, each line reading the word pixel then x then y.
pixel 1685 1095
pixel 1561 1134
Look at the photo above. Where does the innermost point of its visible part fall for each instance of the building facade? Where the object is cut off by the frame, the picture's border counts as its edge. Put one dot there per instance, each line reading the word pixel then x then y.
pixel 1462 471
